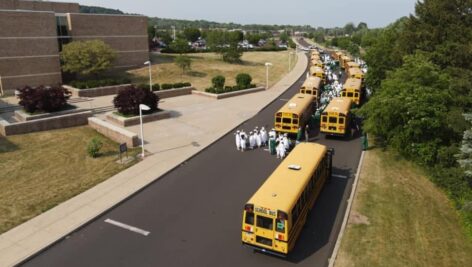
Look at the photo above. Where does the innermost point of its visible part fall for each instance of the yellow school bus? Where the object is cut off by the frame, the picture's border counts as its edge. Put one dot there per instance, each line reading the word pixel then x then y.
pixel 343 61
pixel 312 86
pixel 294 114
pixel 352 89
pixel 355 73
pixel 317 63
pixel 337 55
pixel 274 216
pixel 317 72
pixel 336 117
pixel 352 64
pixel 315 57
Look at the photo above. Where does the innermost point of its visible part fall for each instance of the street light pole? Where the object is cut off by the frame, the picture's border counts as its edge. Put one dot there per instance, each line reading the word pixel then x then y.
pixel 150 78
pixel 141 108
pixel 267 64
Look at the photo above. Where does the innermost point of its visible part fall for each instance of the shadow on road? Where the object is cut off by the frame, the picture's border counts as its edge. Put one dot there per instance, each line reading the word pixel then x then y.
pixel 321 219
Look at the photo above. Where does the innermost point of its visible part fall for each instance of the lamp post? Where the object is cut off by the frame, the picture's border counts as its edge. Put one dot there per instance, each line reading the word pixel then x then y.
pixel 290 60
pixel 141 108
pixel 267 64
pixel 150 79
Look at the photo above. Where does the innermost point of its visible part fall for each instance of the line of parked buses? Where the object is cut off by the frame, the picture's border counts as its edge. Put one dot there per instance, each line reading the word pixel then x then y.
pixel 274 216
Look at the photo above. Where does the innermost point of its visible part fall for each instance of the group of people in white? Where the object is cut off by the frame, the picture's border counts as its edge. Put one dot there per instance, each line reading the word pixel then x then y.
pixel 261 138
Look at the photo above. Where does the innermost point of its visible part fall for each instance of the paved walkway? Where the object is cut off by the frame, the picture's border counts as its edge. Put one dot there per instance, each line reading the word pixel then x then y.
pixel 199 122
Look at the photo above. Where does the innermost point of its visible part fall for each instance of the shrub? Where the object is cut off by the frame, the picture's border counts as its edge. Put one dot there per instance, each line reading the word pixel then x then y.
pixel 47 99
pixel 243 80
pixel 98 83
pixel 218 81
pixel 166 86
pixel 94 146
pixel 128 99
pixel 155 86
pixel 252 85
pixel 187 84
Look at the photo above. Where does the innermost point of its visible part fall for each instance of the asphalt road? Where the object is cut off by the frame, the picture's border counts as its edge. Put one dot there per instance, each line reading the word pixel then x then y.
pixel 194 213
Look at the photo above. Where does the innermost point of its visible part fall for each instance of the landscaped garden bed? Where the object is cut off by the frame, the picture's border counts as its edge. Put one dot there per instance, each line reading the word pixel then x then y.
pixel 128 102
pixel 218 90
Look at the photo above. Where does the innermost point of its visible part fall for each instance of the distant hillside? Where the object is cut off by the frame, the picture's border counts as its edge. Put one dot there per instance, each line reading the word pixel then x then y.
pixel 99 10
pixel 163 23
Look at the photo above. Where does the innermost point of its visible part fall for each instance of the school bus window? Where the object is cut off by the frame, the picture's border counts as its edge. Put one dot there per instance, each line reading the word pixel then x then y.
pixel 349 94
pixel 356 94
pixel 249 218
pixel 295 121
pixel 333 120
pixel 287 120
pixel 324 119
pixel 344 93
pixel 278 119
pixel 280 225
pixel 303 91
pixel 265 222
pixel 341 120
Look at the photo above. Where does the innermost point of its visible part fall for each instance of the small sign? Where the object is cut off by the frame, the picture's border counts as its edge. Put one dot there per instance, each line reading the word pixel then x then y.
pixel 123 148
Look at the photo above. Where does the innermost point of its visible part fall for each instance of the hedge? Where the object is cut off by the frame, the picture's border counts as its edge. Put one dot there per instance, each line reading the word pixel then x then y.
pixel 98 83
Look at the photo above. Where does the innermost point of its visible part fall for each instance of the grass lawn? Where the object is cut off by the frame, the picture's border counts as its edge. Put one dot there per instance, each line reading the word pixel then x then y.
pixel 41 170
pixel 207 65
pixel 400 218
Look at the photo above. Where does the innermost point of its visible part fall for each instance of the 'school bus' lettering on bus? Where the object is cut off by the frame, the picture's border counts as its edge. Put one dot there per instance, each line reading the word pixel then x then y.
pixel 287 196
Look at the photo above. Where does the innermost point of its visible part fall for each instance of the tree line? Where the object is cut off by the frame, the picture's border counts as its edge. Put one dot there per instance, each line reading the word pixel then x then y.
pixel 420 72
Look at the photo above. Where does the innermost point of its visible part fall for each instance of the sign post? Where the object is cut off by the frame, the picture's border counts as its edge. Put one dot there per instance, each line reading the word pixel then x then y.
pixel 123 149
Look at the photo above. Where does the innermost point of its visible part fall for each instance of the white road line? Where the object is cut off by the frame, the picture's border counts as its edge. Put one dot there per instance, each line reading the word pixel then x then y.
pixel 266 149
pixel 128 227
pixel 339 176
pixel 281 99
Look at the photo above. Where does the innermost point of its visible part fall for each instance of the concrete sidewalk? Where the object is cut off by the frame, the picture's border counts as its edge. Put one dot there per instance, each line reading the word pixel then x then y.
pixel 198 122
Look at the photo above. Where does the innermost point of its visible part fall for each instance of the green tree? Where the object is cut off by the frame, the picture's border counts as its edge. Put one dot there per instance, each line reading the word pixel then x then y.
pixel 349 28
pixel 384 55
pixel 362 26
pixel 319 37
pixel 192 34
pixel 226 44
pixel 410 111
pixel 183 62
pixel 87 57
pixel 442 28
pixel 180 46
pixel 164 36
pixel 253 38
pixel 284 37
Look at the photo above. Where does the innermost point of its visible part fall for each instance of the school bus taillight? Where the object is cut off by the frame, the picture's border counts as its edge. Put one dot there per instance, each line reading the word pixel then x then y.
pixel 278 125
pixel 323 125
pixel 248 228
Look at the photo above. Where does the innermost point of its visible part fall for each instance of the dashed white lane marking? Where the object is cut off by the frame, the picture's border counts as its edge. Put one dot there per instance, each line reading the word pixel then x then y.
pixel 266 149
pixel 128 227
pixel 339 176
pixel 281 99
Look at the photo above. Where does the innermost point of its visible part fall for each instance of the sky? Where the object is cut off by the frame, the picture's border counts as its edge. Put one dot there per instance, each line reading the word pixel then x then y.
pixel 317 13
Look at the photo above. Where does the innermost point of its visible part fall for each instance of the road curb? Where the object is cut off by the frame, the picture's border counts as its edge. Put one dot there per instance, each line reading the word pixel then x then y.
pixel 332 259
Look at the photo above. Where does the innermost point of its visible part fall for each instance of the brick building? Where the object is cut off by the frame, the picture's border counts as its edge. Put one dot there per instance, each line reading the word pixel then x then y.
pixel 32 34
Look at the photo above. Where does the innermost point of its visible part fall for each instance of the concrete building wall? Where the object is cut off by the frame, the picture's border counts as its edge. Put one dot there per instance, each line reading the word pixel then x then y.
pixel 126 34
pixel 57 7
pixel 28 49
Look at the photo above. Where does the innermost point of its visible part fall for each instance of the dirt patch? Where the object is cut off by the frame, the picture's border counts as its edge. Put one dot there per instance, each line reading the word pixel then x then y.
pixel 357 218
